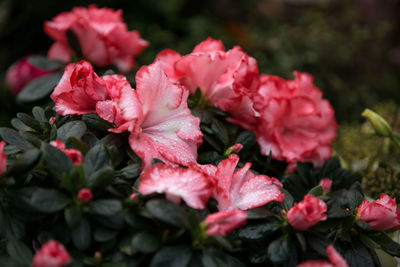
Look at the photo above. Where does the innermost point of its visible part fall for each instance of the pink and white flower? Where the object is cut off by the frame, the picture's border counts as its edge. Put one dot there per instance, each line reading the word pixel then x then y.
pixel 177 183
pixel 221 223
pixel 78 90
pixel 294 122
pixel 103 37
pixel 382 214
pixel 51 254
pixel 227 79
pixel 241 189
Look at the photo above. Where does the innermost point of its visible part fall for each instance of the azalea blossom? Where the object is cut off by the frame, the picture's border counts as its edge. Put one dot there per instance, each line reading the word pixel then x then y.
pixel 307 213
pixel 85 195
pixel 294 122
pixel 381 214
pixel 326 185
pixel 227 79
pixel 220 223
pixel 241 189
pixel 3 158
pixel 51 254
pixel 156 114
pixel 79 90
pixel 190 185
pixel 103 37
pixel 335 260
pixel 74 154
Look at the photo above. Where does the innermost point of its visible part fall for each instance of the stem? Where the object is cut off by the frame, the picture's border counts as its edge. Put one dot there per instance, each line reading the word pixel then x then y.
pixel 395 141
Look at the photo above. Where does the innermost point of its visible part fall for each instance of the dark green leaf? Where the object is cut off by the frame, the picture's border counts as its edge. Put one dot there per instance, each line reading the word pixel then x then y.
pixel 78 144
pixel 257 231
pixel 26 162
pixel 9 226
pixel 102 179
pixel 217 258
pixel 354 199
pixel 29 121
pixel 168 212
pixel 210 157
pixel 56 161
pixel 39 88
pixel 387 244
pixel 95 160
pixel 93 121
pixel 102 234
pixel 106 207
pixel 279 250
pixel 12 137
pixel 145 242
pixel 44 63
pixel 75 181
pixel 39 115
pixel 178 256
pixel 71 129
pixel 247 139
pixel 19 252
pixel 131 171
pixel 194 99
pixel 220 132
pixel 49 200
pixel 19 125
pixel 368 242
pixel 72 216
pixel 81 235
pixel 316 191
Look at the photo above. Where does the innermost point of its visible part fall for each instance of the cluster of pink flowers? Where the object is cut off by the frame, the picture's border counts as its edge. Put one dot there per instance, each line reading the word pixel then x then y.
pixel 102 35
pixel 51 254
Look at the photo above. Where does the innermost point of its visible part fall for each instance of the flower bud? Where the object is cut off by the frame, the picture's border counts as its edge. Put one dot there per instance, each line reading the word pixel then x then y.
pixel 326 185
pixel 85 195
pixel 379 124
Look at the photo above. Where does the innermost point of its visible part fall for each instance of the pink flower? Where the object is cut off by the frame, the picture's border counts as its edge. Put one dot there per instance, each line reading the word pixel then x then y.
pixel 74 154
pixel 336 260
pixel 51 254
pixel 78 90
pixel 227 80
pixel 190 185
pixel 21 73
pixel 156 114
pixel 326 184
pixel 103 37
pixel 381 214
pixel 85 195
pixel 242 189
pixel 294 122
pixel 222 222
pixel 3 158
pixel 307 213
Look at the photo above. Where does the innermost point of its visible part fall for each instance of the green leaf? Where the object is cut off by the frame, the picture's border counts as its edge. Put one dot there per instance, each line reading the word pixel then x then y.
pixel 19 252
pixel 19 125
pixel 368 242
pixel 72 215
pixel 75 181
pixel 210 157
pixel 56 161
pixel 354 199
pixel 102 234
pixel 95 160
pixel 102 179
pixel 316 191
pixel 39 115
pixel 220 132
pixel 279 250
pixel 387 244
pixel 81 235
pixel 39 88
pixel 78 144
pixel 131 171
pixel 178 256
pixel 194 99
pixel 49 200
pixel 247 139
pixel 93 121
pixel 216 258
pixel 26 162
pixel 29 121
pixel 12 137
pixel 257 231
pixel 106 207
pixel 44 63
pixel 168 212
pixel 71 129
pixel 145 242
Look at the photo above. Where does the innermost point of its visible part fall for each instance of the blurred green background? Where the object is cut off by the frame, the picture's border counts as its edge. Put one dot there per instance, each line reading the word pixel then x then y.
pixel 351 47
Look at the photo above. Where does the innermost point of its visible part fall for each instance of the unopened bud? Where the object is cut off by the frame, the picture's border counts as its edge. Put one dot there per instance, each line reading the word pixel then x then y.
pixel 379 124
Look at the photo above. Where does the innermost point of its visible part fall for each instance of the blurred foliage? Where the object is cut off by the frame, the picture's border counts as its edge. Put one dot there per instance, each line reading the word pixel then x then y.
pixel 374 157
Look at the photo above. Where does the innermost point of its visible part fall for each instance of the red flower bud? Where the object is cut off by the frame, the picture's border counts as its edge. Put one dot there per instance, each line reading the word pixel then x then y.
pixel 85 195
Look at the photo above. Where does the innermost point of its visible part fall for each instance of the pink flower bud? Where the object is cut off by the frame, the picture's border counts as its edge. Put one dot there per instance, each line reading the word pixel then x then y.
pixel 222 222
pixel 52 121
pixel 133 196
pixel 97 256
pixel 306 213
pixel 21 73
pixel 326 184
pixel 237 147
pixel 85 195
pixel 51 254
pixel 74 154
pixel 3 158
pixel 381 214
